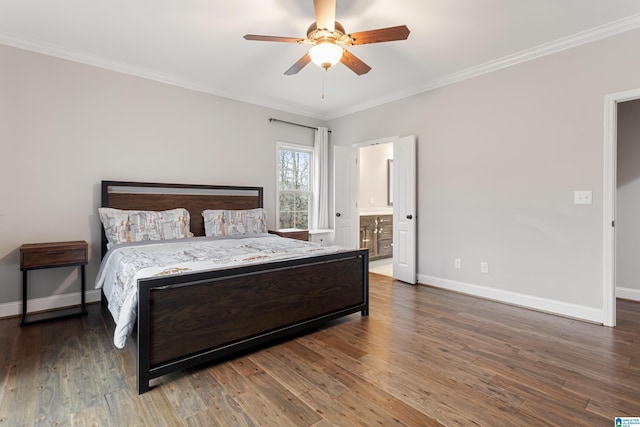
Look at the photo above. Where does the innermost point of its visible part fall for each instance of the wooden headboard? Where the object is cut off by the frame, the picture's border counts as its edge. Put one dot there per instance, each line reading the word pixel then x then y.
pixel 195 198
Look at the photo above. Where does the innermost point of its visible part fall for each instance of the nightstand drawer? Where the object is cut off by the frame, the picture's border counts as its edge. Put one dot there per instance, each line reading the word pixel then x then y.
pixel 41 255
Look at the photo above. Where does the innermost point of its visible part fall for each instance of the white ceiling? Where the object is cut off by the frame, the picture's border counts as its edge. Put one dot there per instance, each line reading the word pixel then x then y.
pixel 198 44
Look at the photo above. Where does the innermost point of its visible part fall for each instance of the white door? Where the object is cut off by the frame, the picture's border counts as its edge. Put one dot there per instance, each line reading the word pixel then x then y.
pixel 404 209
pixel 346 189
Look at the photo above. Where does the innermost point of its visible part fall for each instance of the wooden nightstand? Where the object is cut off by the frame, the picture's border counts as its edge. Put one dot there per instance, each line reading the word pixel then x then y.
pixel 37 256
pixel 292 233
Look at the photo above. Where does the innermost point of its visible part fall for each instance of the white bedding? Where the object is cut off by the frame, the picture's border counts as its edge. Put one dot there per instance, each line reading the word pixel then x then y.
pixel 124 264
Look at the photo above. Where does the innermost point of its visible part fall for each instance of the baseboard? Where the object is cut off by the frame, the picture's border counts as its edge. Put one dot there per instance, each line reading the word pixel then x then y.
pixel 48 303
pixel 628 293
pixel 560 308
pixel 551 306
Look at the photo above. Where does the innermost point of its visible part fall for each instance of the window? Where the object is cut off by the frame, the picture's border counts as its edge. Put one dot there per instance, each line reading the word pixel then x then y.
pixel 294 185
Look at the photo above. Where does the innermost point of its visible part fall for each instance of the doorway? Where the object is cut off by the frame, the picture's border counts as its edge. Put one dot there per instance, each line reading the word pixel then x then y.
pixel 628 201
pixel 404 195
pixel 376 206
pixel 615 167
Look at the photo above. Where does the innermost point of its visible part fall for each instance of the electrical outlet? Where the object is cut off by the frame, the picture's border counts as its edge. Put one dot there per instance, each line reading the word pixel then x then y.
pixel 457 263
pixel 582 197
pixel 484 267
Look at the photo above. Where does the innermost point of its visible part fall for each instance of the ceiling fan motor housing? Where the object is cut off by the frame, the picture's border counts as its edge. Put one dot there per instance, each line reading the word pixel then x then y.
pixel 315 35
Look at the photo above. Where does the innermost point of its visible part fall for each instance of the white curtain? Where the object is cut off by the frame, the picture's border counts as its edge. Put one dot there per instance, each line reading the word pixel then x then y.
pixel 321 179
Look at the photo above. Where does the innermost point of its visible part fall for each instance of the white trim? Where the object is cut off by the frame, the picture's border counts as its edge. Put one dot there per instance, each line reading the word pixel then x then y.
pixel 385 140
pixel 628 23
pixel 295 147
pixel 603 31
pixel 137 71
pixel 609 201
pixel 628 293
pixel 560 308
pixel 609 205
pixel 48 303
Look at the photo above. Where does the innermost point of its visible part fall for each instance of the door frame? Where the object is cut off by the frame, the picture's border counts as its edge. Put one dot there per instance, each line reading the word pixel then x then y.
pixel 611 102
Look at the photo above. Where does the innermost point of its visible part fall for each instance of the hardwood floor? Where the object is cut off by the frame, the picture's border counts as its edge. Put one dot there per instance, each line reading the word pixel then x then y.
pixel 423 357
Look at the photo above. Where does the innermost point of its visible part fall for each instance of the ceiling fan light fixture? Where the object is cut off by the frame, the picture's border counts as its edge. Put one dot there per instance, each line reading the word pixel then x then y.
pixel 326 54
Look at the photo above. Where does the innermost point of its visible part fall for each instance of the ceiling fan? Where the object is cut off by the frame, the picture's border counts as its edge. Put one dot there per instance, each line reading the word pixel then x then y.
pixel 327 36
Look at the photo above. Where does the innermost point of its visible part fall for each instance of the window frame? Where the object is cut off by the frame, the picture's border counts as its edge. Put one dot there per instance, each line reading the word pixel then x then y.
pixel 287 146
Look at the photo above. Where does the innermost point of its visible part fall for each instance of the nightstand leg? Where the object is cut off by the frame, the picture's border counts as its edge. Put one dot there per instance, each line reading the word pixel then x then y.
pixel 24 297
pixel 82 299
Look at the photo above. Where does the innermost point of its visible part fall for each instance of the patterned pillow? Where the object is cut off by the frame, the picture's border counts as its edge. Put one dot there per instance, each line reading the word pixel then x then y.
pixel 122 226
pixel 213 223
pixel 251 221
pixel 234 222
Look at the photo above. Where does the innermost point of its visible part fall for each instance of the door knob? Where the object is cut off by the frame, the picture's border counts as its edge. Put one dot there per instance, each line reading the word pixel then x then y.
pixel 338 214
pixel 409 216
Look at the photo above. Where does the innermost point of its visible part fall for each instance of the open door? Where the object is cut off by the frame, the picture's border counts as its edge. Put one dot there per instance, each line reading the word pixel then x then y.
pixel 404 209
pixel 346 191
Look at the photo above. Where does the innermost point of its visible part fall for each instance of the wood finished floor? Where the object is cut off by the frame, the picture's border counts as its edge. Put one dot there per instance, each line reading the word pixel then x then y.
pixel 424 357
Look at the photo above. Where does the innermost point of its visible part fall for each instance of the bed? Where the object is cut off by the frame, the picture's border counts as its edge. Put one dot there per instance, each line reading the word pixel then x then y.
pixel 190 318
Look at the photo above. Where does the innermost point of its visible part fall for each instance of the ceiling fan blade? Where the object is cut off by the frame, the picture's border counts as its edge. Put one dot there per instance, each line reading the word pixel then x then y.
pixel 299 65
pixel 400 32
pixel 273 38
pixel 354 63
pixel 325 14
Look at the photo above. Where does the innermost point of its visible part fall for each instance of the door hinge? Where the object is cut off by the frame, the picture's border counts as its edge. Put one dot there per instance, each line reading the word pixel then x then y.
pixel 613 223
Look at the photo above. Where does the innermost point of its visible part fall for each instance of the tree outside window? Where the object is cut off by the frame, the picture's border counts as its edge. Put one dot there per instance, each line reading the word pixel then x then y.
pixel 294 186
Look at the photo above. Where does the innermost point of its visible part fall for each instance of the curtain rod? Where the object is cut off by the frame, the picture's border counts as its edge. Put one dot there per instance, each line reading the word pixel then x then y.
pixel 294 124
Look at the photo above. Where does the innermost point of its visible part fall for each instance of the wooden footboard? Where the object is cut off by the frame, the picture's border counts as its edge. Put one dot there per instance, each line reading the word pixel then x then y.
pixel 189 319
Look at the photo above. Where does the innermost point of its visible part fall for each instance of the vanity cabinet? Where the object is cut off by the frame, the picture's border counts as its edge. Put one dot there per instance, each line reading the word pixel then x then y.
pixel 367 234
pixel 376 235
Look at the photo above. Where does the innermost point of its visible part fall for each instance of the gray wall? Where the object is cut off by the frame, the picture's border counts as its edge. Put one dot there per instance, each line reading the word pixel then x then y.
pixel 628 201
pixel 66 126
pixel 499 157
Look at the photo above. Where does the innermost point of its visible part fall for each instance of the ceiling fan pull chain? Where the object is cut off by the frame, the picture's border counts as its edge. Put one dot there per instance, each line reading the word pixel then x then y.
pixel 325 72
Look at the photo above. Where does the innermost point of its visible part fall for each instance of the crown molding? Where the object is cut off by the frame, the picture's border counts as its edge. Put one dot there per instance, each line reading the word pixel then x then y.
pixel 141 72
pixel 629 23
pixel 613 28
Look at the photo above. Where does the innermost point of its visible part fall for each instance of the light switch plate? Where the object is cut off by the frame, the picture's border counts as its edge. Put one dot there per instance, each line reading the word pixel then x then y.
pixel 584 197
pixel 484 267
